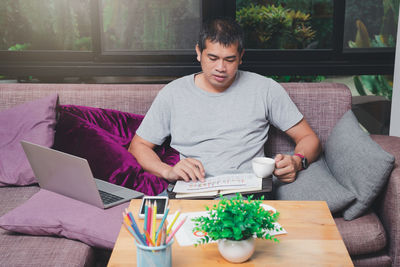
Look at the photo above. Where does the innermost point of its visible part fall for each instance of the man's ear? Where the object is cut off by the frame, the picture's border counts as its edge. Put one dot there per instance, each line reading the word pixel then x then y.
pixel 241 57
pixel 198 52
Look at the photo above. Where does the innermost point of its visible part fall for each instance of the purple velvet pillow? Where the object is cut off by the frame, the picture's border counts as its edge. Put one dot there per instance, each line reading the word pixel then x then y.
pixel 102 136
pixel 32 121
pixel 47 213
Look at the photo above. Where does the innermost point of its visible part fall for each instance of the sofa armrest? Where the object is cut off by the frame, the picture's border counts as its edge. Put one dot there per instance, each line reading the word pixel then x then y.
pixel 388 208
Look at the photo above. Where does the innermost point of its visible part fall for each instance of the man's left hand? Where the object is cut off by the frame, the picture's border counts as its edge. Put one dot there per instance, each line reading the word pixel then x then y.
pixel 286 167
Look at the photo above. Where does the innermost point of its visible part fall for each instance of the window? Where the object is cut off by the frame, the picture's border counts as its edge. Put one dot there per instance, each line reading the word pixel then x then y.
pixel 370 24
pixel 151 25
pixel 88 38
pixel 45 25
pixel 290 24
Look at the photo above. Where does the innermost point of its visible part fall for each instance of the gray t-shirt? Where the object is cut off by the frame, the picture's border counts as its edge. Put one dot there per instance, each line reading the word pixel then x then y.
pixel 222 130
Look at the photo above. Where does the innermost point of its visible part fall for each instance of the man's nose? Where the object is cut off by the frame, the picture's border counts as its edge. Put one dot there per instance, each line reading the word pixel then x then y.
pixel 221 66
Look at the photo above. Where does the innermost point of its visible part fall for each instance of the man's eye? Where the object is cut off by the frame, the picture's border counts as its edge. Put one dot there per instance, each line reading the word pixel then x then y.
pixel 213 58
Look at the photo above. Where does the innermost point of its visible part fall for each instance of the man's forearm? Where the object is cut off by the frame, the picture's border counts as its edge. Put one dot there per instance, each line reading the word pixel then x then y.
pixel 309 146
pixel 186 169
pixel 148 159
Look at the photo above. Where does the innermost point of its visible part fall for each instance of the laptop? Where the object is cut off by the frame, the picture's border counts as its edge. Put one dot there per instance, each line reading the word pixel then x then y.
pixel 71 176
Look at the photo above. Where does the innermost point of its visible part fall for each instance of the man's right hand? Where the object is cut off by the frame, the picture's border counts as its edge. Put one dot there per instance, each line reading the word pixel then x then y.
pixel 187 169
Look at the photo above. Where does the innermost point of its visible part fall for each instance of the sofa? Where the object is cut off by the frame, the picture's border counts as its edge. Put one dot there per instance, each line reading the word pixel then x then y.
pixel 372 239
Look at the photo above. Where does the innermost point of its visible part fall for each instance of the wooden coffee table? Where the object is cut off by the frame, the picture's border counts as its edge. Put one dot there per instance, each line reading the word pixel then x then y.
pixel 312 239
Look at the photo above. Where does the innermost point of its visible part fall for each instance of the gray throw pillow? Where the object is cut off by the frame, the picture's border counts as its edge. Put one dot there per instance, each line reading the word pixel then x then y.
pixel 315 183
pixel 357 162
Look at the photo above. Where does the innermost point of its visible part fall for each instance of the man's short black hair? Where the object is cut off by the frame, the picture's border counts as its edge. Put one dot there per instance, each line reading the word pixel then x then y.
pixel 225 31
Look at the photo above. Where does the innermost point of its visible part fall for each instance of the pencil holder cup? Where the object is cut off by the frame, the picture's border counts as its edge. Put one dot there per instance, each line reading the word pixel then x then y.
pixel 154 256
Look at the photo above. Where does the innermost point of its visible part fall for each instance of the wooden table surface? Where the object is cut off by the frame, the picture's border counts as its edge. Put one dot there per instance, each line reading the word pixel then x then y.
pixel 312 239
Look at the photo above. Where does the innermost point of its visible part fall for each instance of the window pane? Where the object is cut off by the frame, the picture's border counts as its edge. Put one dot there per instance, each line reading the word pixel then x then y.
pixel 140 25
pixel 45 25
pixel 371 23
pixel 286 24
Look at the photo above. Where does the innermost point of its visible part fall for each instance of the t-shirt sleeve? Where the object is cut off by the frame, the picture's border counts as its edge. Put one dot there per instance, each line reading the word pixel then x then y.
pixel 281 111
pixel 155 127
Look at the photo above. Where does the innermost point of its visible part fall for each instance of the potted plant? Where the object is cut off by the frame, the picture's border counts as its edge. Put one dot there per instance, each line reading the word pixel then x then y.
pixel 234 224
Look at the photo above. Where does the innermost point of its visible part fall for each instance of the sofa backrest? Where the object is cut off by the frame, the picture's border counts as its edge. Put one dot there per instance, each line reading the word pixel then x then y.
pixel 322 104
pixel 133 98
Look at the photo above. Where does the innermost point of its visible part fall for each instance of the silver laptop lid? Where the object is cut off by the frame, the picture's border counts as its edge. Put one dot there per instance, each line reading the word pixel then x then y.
pixel 63 173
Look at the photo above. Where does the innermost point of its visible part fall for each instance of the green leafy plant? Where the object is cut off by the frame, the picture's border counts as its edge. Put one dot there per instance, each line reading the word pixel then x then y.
pixel 298 78
pixel 19 47
pixel 275 27
pixel 236 219
pixel 44 24
pixel 380 85
pixel 314 32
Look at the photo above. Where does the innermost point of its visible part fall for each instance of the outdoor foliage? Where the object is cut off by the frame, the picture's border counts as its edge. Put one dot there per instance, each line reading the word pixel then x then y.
pixel 275 27
pixel 379 16
pixel 321 20
pixel 44 25
pixel 236 219
pixel 286 24
pixel 126 24
pixel 381 85
pixel 150 24
pixel 298 78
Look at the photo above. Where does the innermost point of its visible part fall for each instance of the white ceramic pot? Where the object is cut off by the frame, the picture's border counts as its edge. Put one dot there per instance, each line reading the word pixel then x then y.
pixel 236 251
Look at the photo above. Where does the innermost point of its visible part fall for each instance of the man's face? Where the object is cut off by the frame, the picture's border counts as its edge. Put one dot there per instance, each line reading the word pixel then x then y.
pixel 219 64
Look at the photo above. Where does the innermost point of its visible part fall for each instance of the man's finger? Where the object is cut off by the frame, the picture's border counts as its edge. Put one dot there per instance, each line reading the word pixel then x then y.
pixel 282 163
pixel 198 174
pixel 278 158
pixel 198 164
pixel 191 171
pixel 286 170
pixel 181 173
pixel 287 179
pixel 197 168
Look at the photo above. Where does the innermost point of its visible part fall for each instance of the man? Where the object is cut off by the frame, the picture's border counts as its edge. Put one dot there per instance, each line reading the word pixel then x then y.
pixel 218 119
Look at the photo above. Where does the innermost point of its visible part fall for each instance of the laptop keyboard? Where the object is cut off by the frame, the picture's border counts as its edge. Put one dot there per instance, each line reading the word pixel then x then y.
pixel 108 198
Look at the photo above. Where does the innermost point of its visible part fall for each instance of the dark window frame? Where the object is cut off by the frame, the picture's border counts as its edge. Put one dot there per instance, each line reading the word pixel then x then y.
pixel 335 61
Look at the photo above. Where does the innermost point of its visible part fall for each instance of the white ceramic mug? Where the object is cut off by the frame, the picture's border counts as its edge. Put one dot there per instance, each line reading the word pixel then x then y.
pixel 263 166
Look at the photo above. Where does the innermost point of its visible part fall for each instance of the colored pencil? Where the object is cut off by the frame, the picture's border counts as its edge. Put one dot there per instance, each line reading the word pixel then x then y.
pixel 136 228
pixel 146 208
pixel 173 221
pixel 163 234
pixel 129 228
pixel 162 223
pixel 149 239
pixel 130 215
pixel 176 230
pixel 125 213
pixel 149 216
pixel 158 242
pixel 146 218
pixel 154 224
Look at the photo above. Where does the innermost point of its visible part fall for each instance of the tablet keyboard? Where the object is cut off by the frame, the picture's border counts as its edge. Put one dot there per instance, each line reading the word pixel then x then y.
pixel 108 198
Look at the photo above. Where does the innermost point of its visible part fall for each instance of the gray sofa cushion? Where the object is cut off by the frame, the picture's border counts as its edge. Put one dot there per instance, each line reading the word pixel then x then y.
pixel 315 183
pixel 13 196
pixel 363 235
pixel 380 259
pixel 357 162
pixel 22 250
